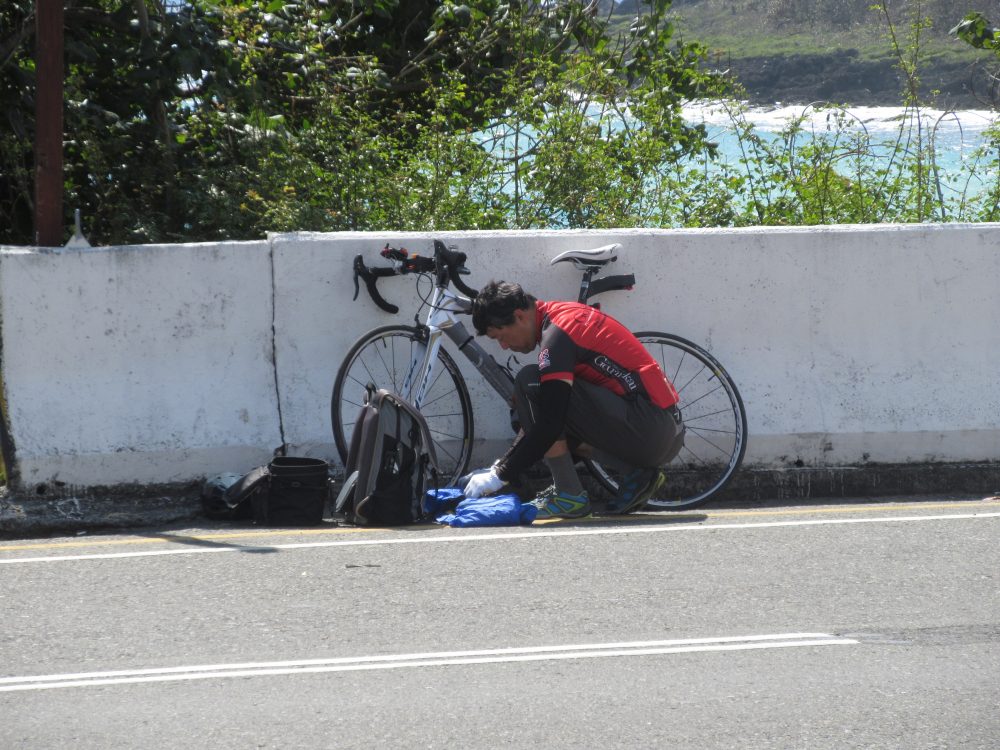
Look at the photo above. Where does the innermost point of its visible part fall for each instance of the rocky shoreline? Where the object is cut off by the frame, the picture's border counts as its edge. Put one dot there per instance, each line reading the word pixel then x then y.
pixel 841 77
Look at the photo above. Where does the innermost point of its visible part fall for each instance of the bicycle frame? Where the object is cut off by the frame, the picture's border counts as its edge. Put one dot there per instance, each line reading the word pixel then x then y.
pixel 442 319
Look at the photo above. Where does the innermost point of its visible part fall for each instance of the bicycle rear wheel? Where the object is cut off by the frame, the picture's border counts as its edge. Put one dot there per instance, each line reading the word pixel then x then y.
pixel 714 418
pixel 383 357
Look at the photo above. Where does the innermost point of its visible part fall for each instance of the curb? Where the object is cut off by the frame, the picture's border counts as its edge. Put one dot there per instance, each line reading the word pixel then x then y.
pixel 98 508
pixel 21 517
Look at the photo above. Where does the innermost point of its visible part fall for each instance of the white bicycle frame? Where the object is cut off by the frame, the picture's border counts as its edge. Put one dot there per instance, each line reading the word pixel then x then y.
pixel 442 319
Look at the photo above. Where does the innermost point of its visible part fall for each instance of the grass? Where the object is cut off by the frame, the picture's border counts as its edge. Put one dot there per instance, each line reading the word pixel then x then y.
pixel 731 32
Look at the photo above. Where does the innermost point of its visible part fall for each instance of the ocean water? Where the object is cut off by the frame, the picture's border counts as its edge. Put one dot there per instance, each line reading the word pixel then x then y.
pixel 959 140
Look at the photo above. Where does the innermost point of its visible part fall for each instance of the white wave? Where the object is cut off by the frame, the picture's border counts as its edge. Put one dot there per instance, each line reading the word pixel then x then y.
pixel 872 119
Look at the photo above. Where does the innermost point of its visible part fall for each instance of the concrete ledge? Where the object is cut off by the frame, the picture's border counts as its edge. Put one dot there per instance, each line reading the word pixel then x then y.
pixel 871 480
pixel 98 508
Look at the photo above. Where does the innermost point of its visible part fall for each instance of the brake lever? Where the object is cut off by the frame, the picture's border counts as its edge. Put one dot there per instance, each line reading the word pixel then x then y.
pixel 357 272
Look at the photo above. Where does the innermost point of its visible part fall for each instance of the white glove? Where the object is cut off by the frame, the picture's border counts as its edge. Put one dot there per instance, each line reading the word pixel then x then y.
pixel 482 483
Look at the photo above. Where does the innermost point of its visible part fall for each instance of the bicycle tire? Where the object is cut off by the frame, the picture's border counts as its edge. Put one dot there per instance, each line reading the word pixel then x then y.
pixel 382 357
pixel 714 418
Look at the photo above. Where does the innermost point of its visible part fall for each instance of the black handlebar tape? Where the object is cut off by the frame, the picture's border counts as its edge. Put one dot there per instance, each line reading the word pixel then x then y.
pixel 464 288
pixel 371 277
pixel 454 261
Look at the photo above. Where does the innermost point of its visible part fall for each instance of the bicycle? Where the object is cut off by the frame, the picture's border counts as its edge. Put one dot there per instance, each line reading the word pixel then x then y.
pixel 411 361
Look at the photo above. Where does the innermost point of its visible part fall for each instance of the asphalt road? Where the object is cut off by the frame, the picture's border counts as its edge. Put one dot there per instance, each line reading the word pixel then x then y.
pixel 850 626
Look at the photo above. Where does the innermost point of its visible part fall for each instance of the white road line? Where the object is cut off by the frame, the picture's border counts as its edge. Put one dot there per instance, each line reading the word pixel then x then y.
pixel 432 537
pixel 433 659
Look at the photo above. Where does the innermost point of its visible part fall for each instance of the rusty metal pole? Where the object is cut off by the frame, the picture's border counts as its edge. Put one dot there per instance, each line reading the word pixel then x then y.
pixel 49 228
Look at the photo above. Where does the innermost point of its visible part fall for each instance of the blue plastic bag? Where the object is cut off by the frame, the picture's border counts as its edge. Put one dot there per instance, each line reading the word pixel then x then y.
pixel 494 510
pixel 437 502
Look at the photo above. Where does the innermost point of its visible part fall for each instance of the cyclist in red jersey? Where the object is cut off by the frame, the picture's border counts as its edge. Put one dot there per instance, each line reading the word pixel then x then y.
pixel 595 391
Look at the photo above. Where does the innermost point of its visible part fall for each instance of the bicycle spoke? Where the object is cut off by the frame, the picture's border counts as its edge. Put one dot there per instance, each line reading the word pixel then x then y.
pixel 386 360
pixel 450 449
pixel 391 372
pixel 442 439
pixel 713 417
pixel 689 404
pixel 425 404
pixel 711 429
pixel 351 402
pixel 723 451
pixel 663 363
pixel 377 353
pixel 448 435
pixel 440 415
pixel 362 386
pixel 698 459
pixel 688 419
pixel 690 380
pixel 437 377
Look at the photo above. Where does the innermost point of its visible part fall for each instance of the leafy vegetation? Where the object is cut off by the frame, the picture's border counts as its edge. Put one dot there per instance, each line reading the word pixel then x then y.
pixel 229 118
pixel 225 119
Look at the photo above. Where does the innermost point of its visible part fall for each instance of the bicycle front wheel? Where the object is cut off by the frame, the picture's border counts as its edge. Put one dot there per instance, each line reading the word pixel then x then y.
pixel 384 358
pixel 714 419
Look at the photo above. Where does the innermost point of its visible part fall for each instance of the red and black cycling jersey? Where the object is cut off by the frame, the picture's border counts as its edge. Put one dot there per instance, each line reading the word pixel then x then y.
pixel 579 341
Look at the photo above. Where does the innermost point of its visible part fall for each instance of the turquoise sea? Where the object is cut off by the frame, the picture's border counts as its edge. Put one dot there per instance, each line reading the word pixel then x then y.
pixel 962 150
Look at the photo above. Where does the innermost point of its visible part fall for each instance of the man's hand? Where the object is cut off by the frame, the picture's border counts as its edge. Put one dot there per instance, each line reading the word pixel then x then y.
pixel 483 482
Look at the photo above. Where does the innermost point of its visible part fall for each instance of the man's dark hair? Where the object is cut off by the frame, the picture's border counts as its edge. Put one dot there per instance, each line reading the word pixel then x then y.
pixel 495 304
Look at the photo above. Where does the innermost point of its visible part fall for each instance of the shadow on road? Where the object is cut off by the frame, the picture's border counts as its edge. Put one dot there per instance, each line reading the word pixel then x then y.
pixel 209 543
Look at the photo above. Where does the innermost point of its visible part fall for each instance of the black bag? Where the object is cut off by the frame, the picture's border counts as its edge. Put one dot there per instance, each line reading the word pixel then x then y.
pixel 289 491
pixel 219 501
pixel 389 464
pixel 296 492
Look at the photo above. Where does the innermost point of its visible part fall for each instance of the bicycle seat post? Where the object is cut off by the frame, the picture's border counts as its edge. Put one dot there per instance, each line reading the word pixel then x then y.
pixel 588 274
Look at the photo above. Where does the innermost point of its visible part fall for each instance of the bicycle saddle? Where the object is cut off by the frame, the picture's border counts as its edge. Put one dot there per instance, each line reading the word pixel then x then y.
pixel 595 258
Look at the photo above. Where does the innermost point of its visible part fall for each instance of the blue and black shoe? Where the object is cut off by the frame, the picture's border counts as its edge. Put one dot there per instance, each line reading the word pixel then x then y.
pixel 635 489
pixel 552 504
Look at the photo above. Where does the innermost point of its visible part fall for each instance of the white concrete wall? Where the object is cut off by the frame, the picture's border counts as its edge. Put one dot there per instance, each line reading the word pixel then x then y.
pixel 155 364
pixel 138 364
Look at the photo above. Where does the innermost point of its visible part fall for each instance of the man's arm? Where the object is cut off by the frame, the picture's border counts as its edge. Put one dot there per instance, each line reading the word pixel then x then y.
pixel 553 405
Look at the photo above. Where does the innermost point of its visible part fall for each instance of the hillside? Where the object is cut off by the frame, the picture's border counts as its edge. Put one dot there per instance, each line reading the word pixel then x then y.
pixel 796 51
